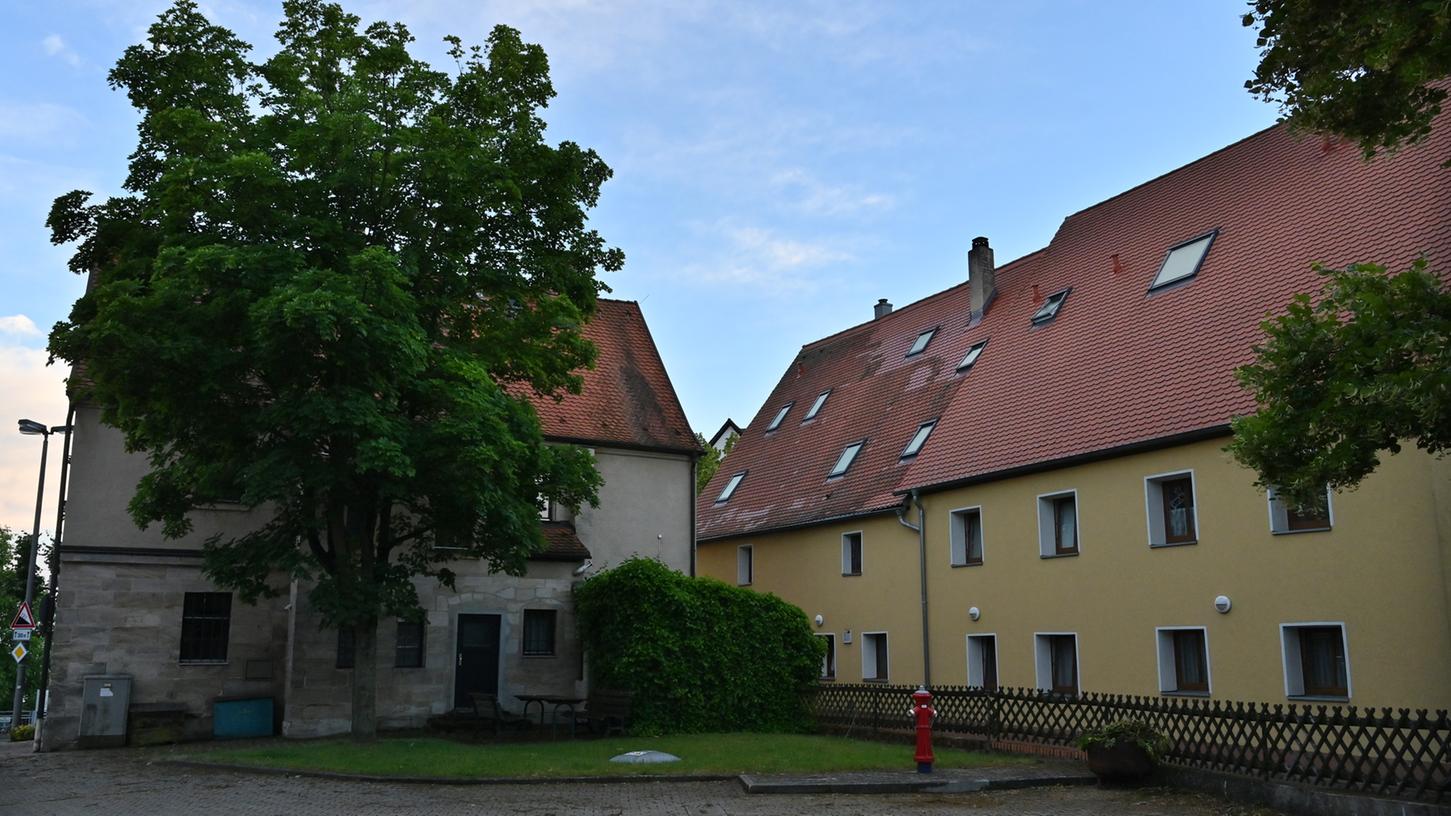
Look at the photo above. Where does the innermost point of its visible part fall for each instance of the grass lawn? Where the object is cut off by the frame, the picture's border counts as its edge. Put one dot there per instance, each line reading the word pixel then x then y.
pixel 699 753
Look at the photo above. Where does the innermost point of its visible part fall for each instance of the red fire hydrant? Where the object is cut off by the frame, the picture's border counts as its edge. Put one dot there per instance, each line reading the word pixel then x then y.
pixel 924 713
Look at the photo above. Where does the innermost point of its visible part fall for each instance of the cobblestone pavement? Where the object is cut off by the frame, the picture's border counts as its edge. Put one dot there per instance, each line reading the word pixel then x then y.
pixel 128 783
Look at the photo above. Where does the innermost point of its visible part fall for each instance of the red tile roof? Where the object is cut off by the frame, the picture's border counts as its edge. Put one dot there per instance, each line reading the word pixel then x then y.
pixel 1119 365
pixel 561 543
pixel 627 399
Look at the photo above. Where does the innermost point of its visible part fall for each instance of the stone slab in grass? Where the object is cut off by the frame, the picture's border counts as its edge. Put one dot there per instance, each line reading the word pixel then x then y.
pixel 644 758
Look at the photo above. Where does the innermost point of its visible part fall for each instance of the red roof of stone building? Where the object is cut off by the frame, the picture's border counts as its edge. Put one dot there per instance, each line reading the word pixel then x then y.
pixel 1119 366
pixel 627 399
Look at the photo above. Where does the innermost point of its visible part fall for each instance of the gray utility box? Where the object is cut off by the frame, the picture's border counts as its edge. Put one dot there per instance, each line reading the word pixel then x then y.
pixel 104 704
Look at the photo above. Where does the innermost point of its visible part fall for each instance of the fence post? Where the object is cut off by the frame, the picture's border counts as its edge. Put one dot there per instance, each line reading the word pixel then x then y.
pixel 994 723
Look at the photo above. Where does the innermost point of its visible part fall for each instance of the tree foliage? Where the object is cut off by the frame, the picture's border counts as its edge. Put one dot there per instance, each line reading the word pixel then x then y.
pixel 1340 379
pixel 333 281
pixel 1355 68
pixel 14 553
pixel 709 461
pixel 699 655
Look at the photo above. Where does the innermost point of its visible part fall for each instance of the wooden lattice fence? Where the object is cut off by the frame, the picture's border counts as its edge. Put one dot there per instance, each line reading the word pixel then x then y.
pixel 1387 752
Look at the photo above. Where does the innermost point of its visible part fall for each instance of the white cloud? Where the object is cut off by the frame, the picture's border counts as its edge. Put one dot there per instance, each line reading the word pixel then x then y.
pixel 767 261
pixel 18 325
pixel 815 197
pixel 36 391
pixel 56 47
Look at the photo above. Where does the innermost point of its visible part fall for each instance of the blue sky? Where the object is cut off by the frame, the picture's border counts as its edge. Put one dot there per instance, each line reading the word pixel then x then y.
pixel 778 166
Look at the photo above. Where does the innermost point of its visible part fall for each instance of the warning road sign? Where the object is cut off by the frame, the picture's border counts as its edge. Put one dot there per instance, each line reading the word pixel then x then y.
pixel 23 618
pixel 19 652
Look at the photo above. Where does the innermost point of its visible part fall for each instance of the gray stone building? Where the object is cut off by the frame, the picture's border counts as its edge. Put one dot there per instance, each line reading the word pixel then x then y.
pixel 133 603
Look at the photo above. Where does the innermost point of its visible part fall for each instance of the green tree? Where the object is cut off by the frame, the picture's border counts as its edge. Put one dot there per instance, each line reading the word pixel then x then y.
pixel 14 553
pixel 1354 68
pixel 709 461
pixel 333 282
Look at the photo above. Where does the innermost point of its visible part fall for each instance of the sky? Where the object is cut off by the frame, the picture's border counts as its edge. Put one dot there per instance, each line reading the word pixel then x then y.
pixel 778 166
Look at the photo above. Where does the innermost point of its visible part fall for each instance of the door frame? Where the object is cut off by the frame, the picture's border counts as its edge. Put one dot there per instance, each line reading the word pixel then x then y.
pixel 454 631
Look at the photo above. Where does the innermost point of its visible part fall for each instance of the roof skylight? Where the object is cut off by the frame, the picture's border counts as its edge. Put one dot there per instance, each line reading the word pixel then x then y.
pixel 919 439
pixel 843 462
pixel 1050 307
pixel 816 406
pixel 921 343
pixel 1183 261
pixel 730 488
pixel 780 416
pixel 972 355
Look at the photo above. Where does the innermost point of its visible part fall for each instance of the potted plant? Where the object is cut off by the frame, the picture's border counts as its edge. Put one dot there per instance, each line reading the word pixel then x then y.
pixel 1123 751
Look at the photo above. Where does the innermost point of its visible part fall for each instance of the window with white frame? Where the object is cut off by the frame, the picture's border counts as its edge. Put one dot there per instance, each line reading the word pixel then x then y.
pixel 1285 517
pixel 851 553
pixel 1050 307
pixel 843 462
pixel 780 417
pixel 730 488
pixel 920 344
pixel 1058 524
pixel 982 661
pixel 874 657
pixel 745 566
pixel 828 660
pixel 1317 662
pixel 1056 656
pixel 972 354
pixel 816 406
pixel 965 536
pixel 1172 516
pixel 1183 261
pixel 1183 660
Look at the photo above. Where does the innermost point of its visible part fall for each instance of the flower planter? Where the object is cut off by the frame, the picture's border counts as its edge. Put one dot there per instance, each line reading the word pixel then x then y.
pixel 1124 763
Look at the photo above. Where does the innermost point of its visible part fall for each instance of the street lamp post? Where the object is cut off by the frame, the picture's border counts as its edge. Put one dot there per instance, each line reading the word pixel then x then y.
pixel 31 428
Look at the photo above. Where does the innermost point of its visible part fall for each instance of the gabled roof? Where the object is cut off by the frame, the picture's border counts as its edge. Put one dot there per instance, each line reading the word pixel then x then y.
pixel 1119 366
pixel 727 427
pixel 627 399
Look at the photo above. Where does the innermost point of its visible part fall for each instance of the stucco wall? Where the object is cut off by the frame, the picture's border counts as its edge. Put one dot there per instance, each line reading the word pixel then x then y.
pixel 1381 571
pixel 644 509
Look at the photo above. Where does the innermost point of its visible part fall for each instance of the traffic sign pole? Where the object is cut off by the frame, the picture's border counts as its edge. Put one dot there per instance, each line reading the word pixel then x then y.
pixel 19 652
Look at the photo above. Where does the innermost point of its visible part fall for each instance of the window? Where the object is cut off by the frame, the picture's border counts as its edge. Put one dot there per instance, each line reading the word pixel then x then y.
pixel 780 417
pixel 546 509
pixel 1171 515
pixel 408 648
pixel 965 537
pixel 1183 661
pixel 730 488
pixel 1058 524
pixel 816 406
pixel 1050 307
pixel 920 344
pixel 874 657
pixel 971 356
pixel 206 622
pixel 1287 519
pixel 539 632
pixel 828 660
pixel 919 439
pixel 1183 261
pixel 1315 660
pixel 745 568
pixel 843 462
pixel 851 553
pixel 982 661
pixel 1057 659
pixel 347 649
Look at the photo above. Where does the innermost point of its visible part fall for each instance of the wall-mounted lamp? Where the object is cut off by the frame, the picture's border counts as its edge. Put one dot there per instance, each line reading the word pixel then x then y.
pixel 846 638
pixel 1223 604
pixel 820 620
pixel 583 567
pixel 974 613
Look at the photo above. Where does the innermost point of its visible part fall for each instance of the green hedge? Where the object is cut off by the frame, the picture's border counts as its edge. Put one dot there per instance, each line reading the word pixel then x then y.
pixel 699 655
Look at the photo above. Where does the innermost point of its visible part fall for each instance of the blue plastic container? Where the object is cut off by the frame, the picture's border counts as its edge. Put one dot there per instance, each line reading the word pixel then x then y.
pixel 237 717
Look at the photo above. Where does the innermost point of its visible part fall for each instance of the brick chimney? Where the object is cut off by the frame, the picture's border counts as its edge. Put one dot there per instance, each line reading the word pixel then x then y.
pixel 982 276
pixel 883 308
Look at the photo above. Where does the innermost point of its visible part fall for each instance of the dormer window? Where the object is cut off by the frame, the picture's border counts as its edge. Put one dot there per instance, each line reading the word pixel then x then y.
pixel 730 488
pixel 972 355
pixel 918 439
pixel 816 406
pixel 843 462
pixel 1050 307
pixel 920 345
pixel 780 417
pixel 1183 260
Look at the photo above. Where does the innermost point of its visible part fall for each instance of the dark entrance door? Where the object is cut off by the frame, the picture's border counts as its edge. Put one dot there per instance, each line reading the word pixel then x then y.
pixel 477 661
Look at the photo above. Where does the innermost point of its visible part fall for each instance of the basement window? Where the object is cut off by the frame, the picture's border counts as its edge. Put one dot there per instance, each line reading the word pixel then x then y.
pixel 1050 307
pixel 730 488
pixel 1183 260
pixel 971 356
pixel 816 406
pixel 780 417
pixel 843 462
pixel 919 439
pixel 920 345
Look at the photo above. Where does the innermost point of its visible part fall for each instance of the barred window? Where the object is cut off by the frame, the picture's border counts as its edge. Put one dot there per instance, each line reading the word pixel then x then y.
pixel 408 649
pixel 539 632
pixel 206 620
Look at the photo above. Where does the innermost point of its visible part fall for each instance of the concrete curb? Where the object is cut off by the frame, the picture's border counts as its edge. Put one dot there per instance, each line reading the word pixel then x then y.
pixel 963 783
pixel 263 770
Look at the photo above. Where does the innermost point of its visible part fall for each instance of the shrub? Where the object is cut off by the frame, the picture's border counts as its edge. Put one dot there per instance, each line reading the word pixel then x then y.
pixel 22 733
pixel 1134 731
pixel 699 655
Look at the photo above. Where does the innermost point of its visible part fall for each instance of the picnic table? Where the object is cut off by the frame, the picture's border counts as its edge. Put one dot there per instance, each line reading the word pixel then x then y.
pixel 559 701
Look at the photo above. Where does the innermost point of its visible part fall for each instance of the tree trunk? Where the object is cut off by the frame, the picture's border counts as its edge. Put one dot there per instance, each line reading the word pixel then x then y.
pixel 365 679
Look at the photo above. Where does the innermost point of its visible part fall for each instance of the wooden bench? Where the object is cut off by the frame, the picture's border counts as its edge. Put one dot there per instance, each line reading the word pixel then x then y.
pixel 608 710
pixel 486 707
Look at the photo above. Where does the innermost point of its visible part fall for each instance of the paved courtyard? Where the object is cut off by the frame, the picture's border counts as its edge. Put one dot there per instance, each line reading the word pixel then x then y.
pixel 130 783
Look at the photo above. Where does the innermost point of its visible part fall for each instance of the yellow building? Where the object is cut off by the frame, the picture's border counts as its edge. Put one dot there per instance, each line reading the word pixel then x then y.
pixel 1022 480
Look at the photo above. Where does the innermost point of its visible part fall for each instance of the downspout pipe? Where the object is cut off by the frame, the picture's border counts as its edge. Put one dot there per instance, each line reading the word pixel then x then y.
pixel 914 498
